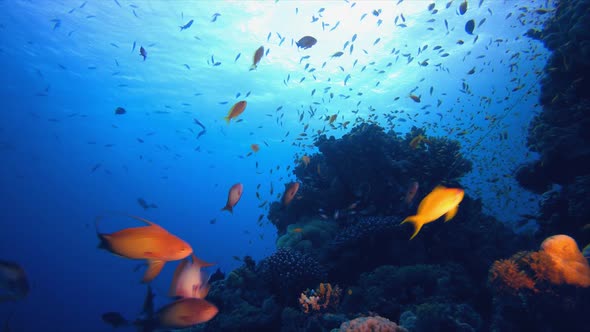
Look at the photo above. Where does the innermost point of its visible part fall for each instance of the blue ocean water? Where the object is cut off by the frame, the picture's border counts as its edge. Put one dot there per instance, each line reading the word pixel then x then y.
pixel 68 158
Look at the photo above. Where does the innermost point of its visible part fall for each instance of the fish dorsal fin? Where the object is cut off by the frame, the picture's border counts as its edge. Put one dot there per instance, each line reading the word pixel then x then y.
pixel 439 187
pixel 177 272
pixel 150 223
pixel 201 263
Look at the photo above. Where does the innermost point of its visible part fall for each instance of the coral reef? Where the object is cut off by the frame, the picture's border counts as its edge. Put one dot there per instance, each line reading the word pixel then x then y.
pixel 561 131
pixel 367 172
pixel 550 283
pixel 320 299
pixel 288 272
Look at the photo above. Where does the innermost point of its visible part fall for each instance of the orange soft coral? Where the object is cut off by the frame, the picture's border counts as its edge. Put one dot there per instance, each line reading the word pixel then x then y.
pixel 321 298
pixel 558 262
pixel 569 265
pixel 506 275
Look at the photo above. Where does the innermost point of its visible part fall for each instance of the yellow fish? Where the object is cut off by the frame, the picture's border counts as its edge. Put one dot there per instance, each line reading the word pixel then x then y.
pixel 441 201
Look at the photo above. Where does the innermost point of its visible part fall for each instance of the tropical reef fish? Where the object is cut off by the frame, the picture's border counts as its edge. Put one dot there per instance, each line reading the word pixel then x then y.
pixel 463 7
pixel 237 109
pixel 185 313
pixel 152 243
pixel 233 197
pixel 417 140
pixel 290 192
pixel 13 282
pixel 469 26
pixel 142 202
pixel 306 160
pixel 257 56
pixel 186 26
pixel 306 42
pixel 411 193
pixel 337 54
pixel 142 52
pixel 255 147
pixel 120 111
pixel 189 280
pixel 114 319
pixel 440 201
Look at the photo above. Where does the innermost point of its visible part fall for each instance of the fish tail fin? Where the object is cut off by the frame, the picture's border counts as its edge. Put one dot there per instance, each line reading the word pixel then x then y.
pixel 227 119
pixel 103 244
pixel 154 268
pixel 417 224
pixel 228 208
pixel 253 67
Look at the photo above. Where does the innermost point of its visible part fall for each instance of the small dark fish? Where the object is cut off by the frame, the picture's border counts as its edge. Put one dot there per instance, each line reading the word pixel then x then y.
pixel 257 56
pixel 463 7
pixel 337 54
pixel 120 110
pixel 117 2
pixel 13 282
pixel 133 48
pixel 143 203
pixel 95 168
pixel 237 57
pixel 469 26
pixel 186 26
pixel 306 42
pixel 214 17
pixel 199 123
pixel 114 319
pixel 142 52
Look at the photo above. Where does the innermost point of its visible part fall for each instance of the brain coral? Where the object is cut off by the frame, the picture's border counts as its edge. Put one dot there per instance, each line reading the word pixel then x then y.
pixel 371 324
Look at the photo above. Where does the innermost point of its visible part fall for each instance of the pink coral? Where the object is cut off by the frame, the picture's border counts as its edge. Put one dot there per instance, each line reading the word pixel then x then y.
pixel 371 324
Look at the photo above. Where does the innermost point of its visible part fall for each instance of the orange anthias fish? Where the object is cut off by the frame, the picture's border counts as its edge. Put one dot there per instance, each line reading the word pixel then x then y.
pixel 255 147
pixel 151 242
pixel 185 313
pixel 257 56
pixel 290 193
pixel 189 280
pixel 415 98
pixel 441 201
pixel 306 160
pixel 417 140
pixel 411 193
pixel 236 110
pixel 13 282
pixel 233 197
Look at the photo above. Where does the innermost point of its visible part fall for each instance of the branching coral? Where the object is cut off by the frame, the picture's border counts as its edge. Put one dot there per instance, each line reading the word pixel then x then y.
pixel 507 275
pixel 321 298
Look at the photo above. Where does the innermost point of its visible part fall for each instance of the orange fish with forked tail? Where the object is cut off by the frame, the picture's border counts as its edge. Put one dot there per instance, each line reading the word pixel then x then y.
pixel 233 197
pixel 151 242
pixel 290 193
pixel 235 110
pixel 441 201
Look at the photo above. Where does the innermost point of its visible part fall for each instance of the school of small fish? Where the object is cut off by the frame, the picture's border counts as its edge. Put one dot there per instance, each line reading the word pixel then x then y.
pixel 467 119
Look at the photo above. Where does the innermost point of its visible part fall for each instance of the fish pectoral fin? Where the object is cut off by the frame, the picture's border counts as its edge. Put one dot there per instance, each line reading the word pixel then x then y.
pixel 154 268
pixel 451 214
pixel 417 224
